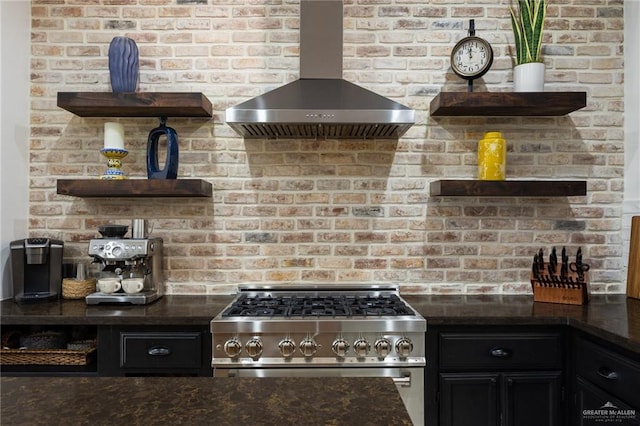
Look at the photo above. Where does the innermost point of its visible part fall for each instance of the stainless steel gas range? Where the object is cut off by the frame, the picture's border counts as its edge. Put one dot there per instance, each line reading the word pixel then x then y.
pixel 322 331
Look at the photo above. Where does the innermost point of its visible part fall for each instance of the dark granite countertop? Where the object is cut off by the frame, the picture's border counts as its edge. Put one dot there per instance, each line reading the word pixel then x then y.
pixel 615 318
pixel 200 401
pixel 168 310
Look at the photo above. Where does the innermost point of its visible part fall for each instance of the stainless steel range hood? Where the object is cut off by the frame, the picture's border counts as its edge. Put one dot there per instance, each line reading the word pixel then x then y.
pixel 320 104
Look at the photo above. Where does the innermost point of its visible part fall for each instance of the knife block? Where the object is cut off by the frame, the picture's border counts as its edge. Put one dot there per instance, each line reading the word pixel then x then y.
pixel 566 290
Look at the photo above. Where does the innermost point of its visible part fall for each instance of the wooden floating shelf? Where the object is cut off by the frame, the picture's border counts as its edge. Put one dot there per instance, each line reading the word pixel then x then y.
pixel 507 188
pixel 141 188
pixel 507 103
pixel 147 104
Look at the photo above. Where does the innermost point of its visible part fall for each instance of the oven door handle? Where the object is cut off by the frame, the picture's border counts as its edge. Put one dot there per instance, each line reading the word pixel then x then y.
pixel 403 382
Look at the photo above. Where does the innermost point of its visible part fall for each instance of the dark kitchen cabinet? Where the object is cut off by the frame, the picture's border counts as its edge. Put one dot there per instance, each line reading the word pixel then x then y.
pixel 495 376
pixel 516 399
pixel 589 397
pixel 119 351
pixel 533 398
pixel 467 399
pixel 169 337
pixel 605 378
pixel 155 351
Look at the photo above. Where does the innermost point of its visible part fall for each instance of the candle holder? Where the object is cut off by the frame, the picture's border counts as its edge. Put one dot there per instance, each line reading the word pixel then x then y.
pixel 114 163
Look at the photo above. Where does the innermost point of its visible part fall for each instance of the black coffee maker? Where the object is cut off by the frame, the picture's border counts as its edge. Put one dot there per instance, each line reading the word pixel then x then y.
pixel 36 267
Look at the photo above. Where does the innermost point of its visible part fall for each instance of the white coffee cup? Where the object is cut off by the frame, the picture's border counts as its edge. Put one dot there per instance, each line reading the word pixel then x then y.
pixel 133 285
pixel 109 285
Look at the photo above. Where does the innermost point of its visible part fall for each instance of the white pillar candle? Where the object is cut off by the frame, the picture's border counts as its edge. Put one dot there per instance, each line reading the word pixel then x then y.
pixel 113 136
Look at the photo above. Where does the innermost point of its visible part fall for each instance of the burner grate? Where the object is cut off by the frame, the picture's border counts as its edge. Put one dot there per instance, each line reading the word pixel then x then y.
pixel 317 306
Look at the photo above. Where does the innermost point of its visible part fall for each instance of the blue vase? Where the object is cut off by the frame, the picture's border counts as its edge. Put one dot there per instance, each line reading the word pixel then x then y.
pixel 170 169
pixel 123 64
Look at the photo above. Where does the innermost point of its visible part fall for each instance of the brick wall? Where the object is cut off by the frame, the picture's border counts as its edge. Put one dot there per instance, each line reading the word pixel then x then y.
pixel 335 210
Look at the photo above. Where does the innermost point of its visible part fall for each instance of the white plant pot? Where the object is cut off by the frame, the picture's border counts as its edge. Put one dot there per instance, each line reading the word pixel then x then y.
pixel 528 77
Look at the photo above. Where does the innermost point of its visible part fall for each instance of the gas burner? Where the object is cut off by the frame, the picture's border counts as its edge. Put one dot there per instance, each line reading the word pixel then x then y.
pixel 380 305
pixel 318 311
pixel 375 311
pixel 256 311
pixel 325 306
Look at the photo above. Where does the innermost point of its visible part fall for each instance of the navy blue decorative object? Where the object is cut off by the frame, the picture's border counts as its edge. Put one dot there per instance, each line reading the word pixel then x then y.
pixel 123 64
pixel 170 170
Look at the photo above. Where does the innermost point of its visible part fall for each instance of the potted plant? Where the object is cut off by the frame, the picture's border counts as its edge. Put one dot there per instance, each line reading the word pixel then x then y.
pixel 527 23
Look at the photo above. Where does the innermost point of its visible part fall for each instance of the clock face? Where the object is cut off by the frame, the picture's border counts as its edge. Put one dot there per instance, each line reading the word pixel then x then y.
pixel 471 57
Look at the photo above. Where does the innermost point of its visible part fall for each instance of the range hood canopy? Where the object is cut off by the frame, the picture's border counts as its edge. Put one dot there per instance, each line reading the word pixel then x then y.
pixel 320 104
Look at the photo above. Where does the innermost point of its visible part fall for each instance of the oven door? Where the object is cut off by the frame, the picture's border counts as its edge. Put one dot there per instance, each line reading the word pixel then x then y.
pixel 408 381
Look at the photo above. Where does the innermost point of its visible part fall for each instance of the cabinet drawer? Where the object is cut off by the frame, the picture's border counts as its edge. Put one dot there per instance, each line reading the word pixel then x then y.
pixel 609 370
pixel 160 350
pixel 482 351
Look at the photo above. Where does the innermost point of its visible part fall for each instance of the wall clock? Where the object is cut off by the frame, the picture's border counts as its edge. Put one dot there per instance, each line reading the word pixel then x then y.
pixel 471 57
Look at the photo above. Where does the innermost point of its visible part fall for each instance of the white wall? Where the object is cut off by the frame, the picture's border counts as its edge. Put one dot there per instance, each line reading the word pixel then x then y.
pixel 15 24
pixel 632 101
pixel 631 119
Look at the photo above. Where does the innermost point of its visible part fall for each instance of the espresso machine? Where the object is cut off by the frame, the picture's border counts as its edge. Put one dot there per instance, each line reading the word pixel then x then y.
pixel 36 269
pixel 128 258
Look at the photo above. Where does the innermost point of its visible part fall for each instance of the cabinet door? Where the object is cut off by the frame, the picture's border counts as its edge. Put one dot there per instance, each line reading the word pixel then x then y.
pixel 608 369
pixel 595 407
pixel 468 399
pixel 532 399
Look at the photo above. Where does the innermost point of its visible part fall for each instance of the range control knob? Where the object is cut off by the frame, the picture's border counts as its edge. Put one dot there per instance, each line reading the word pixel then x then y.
pixel 361 347
pixel 340 347
pixel 254 347
pixel 382 347
pixel 232 347
pixel 287 347
pixel 308 346
pixel 404 347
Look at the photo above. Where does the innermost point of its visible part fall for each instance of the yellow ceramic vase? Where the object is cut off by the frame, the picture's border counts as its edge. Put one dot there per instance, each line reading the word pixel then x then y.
pixel 492 157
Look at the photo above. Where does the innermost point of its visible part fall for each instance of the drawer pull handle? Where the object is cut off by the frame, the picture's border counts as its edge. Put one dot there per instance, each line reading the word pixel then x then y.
pixel 500 353
pixel 605 373
pixel 159 351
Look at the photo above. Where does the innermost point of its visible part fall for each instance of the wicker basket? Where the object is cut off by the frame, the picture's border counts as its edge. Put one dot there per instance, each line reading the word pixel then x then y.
pixel 45 356
pixel 77 289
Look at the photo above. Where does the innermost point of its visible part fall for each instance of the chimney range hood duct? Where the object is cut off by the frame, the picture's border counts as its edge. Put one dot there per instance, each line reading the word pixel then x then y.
pixel 320 104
